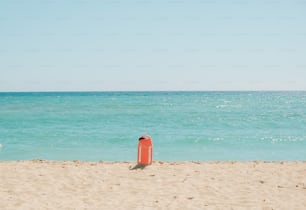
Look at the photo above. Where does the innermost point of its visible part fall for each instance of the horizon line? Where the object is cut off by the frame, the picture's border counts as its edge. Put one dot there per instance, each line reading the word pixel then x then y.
pixel 101 91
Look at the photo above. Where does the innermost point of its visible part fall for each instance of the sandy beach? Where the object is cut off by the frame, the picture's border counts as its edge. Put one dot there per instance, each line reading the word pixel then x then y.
pixel 40 184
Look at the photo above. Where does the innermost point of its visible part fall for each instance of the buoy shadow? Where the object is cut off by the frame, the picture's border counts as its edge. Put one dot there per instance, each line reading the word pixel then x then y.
pixel 138 166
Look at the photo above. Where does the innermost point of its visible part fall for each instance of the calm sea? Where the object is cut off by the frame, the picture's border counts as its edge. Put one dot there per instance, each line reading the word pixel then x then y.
pixel 184 125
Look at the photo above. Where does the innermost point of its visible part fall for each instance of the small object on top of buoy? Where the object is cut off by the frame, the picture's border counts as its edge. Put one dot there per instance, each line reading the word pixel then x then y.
pixel 145 150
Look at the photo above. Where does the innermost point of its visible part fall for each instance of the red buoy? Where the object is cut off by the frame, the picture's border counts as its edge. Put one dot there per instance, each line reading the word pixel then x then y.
pixel 144 150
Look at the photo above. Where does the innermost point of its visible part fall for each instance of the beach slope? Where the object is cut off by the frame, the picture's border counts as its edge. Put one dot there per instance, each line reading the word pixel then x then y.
pixel 40 184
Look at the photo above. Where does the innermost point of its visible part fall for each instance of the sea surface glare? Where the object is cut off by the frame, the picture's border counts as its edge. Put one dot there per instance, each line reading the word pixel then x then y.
pixel 184 125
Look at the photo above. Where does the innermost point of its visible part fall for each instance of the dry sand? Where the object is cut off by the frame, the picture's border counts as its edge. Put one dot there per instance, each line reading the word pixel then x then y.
pixel 179 185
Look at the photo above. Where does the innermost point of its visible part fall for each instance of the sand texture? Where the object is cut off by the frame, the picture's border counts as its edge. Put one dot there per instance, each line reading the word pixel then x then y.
pixel 41 184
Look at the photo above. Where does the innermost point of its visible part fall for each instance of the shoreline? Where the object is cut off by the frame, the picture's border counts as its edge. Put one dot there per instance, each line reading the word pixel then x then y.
pixel 45 184
pixel 154 161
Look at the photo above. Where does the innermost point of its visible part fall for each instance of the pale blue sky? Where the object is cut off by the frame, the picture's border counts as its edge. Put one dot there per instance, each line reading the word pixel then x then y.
pixel 101 45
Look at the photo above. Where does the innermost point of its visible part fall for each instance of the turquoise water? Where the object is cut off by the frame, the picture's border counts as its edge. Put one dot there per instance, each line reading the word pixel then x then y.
pixel 184 125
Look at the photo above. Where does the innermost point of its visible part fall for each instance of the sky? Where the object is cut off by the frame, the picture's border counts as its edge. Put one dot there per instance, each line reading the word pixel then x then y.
pixel 140 45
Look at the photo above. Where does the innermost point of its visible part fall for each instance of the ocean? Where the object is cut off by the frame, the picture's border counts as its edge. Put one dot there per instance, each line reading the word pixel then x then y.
pixel 184 126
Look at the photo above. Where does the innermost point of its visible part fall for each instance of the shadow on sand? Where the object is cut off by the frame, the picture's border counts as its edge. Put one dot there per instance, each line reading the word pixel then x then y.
pixel 138 166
